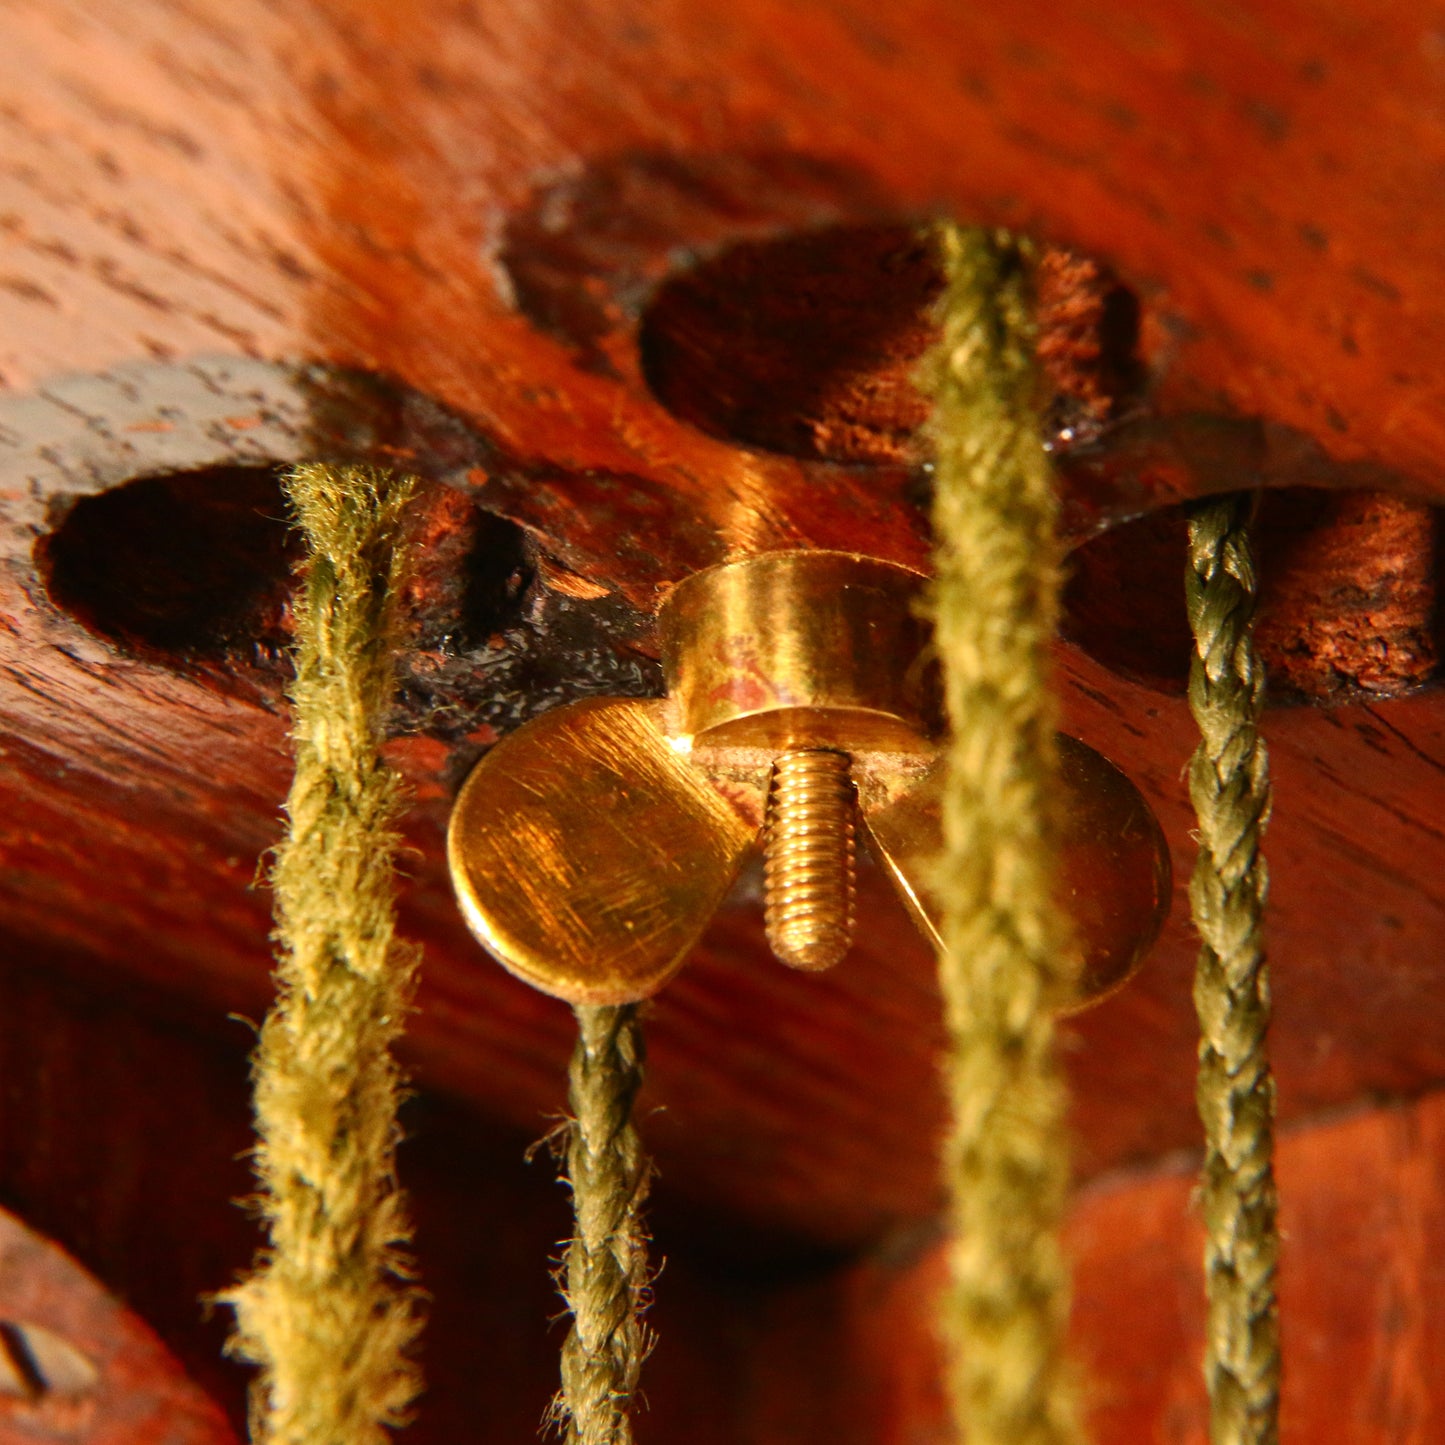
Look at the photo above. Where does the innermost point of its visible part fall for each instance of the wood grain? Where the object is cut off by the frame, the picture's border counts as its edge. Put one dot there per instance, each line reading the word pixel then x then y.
pixel 240 235
pixel 338 183
pixel 1363 1219
pixel 96 1374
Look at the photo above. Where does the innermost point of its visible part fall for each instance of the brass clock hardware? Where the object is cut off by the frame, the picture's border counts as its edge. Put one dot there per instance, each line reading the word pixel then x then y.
pixel 591 848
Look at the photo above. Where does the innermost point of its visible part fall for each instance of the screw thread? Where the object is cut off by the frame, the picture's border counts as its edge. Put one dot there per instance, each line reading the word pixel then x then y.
pixel 809 858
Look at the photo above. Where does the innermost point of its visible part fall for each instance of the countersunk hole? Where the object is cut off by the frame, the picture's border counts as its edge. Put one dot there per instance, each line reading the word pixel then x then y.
pixel 36 1363
pixel 1349 606
pixel 192 565
pixel 584 254
pixel 196 570
pixel 806 344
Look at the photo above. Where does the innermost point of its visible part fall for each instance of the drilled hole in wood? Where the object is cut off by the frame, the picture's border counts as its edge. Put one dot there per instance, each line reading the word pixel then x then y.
pixel 37 1364
pixel 582 256
pixel 807 344
pixel 195 571
pixel 194 566
pixel 1350 603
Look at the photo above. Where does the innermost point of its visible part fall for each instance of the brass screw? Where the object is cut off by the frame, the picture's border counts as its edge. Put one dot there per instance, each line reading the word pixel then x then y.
pixel 810 858
pixel 782 672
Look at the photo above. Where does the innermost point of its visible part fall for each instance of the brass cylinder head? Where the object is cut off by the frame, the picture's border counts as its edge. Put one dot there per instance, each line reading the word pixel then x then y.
pixel 825 649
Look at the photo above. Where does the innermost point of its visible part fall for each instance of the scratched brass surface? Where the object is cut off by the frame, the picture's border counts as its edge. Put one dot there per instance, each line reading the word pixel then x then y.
pixel 588 855
pixel 590 849
pixel 1114 874
pixel 814 649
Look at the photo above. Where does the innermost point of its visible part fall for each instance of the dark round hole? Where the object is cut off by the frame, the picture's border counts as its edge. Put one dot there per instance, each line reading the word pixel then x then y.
pixel 195 571
pixel 807 344
pixel 1349 596
pixel 582 256
pixel 804 345
pixel 195 565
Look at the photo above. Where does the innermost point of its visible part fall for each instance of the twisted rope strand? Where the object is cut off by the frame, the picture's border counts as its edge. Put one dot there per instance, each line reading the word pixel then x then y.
pixel 1229 784
pixel 1005 963
pixel 605 1275
pixel 328 1314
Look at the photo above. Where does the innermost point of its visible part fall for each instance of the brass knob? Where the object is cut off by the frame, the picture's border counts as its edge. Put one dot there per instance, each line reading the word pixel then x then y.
pixel 591 848
pixel 798 654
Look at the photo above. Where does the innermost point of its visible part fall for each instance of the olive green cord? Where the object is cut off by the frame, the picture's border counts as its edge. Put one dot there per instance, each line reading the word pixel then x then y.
pixel 328 1313
pixel 1229 783
pixel 1006 962
pixel 604 1276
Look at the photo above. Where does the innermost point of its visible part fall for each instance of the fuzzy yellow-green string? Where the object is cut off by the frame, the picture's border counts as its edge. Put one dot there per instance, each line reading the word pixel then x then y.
pixel 1229 784
pixel 329 1313
pixel 1007 961
pixel 604 1275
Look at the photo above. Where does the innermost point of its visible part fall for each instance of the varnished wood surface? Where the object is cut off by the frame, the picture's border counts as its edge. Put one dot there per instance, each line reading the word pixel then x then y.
pixel 807 1103
pixel 124 1116
pixel 80 1366
pixel 337 182
pixel 332 177
pixel 1363 1222
pixel 465 210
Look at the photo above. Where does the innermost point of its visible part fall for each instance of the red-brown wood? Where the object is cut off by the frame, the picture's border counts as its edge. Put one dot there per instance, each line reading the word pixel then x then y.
pixel 125 1122
pixel 469 209
pixel 1361 1299
pixel 79 1366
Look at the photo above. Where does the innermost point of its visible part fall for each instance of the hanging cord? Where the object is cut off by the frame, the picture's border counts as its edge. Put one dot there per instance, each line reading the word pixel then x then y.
pixel 1006 962
pixel 328 1314
pixel 1229 783
pixel 604 1276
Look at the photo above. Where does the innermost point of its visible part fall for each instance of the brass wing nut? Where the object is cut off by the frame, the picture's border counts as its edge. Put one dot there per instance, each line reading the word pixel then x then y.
pixel 591 848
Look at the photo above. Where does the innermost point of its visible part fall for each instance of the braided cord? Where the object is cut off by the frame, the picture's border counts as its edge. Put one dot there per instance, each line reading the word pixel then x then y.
pixel 328 1313
pixel 605 1277
pixel 1229 784
pixel 1005 962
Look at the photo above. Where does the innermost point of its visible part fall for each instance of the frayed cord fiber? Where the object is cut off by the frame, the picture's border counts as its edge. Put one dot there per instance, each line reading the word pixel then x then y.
pixel 330 1313
pixel 604 1275
pixel 1007 961
pixel 1230 788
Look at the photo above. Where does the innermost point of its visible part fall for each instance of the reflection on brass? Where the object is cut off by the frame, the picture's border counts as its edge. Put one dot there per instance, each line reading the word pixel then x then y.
pixel 822 649
pixel 809 857
pixel 1114 875
pixel 591 848
pixel 587 854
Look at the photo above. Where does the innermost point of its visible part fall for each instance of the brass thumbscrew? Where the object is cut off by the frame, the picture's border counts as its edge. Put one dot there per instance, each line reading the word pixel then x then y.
pixel 590 849
pixel 806 657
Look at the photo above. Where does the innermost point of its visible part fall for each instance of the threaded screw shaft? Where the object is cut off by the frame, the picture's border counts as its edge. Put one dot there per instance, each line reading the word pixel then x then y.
pixel 810 858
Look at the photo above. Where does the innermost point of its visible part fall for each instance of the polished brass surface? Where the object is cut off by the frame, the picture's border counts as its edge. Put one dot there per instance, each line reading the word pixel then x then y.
pixel 588 855
pixel 590 849
pixel 810 858
pixel 1114 872
pixel 819 649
